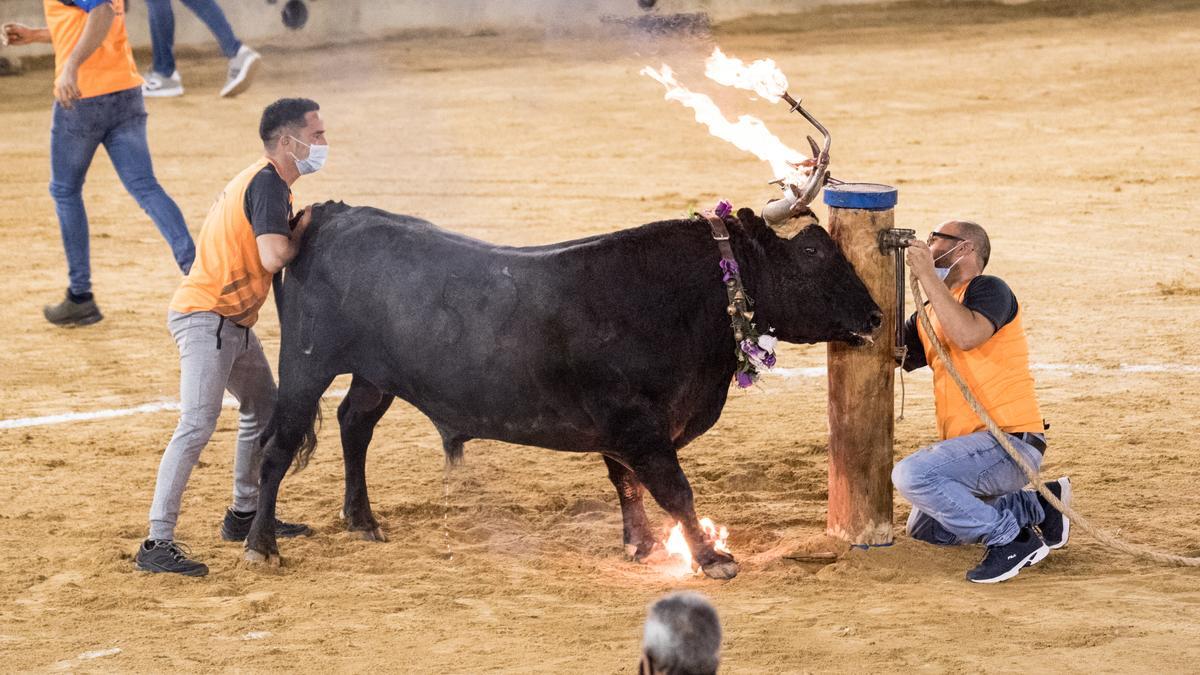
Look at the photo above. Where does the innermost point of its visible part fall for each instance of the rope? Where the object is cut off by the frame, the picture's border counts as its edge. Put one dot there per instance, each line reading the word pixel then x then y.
pixel 1031 473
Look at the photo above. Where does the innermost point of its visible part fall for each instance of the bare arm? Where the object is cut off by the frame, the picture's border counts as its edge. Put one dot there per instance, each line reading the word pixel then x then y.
pixel 276 251
pixel 18 35
pixel 99 21
pixel 964 328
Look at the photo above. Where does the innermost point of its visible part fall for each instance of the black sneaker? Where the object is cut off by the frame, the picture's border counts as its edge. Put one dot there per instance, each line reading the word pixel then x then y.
pixel 161 555
pixel 1056 527
pixel 236 526
pixel 1004 562
pixel 71 312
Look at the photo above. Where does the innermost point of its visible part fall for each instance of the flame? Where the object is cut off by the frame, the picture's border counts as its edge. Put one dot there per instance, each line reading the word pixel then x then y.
pixel 748 133
pixel 761 77
pixel 679 554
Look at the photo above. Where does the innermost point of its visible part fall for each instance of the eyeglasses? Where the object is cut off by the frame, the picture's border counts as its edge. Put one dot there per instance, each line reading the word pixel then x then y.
pixel 942 235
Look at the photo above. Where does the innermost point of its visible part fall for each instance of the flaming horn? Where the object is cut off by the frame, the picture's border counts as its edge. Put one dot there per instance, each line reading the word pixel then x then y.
pixel 764 78
pixel 800 178
pixel 797 198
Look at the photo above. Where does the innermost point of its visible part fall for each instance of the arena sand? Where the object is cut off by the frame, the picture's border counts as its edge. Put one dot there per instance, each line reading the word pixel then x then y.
pixel 1071 135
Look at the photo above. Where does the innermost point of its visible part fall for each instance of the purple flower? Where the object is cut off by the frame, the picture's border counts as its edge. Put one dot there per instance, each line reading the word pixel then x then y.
pixel 752 350
pixel 744 379
pixel 723 209
pixel 769 361
pixel 730 267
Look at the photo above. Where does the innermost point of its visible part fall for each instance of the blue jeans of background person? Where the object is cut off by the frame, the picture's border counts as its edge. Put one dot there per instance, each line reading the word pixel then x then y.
pixel 967 490
pixel 117 121
pixel 162 30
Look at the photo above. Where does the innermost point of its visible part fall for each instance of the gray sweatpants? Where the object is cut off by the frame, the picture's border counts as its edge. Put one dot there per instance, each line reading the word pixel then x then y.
pixel 206 370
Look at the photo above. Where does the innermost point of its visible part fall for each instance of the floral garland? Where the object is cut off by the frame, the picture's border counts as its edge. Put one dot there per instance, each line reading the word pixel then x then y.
pixel 755 351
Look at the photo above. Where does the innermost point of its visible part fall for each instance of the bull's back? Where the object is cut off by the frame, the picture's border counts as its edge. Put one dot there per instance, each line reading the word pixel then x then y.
pixel 537 346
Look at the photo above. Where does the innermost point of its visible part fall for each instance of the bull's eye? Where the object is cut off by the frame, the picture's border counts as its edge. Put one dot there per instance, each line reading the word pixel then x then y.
pixel 810 250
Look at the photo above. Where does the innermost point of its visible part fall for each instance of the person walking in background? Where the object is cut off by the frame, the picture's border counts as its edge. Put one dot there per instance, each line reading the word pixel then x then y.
pixel 682 636
pixel 98 100
pixel 163 80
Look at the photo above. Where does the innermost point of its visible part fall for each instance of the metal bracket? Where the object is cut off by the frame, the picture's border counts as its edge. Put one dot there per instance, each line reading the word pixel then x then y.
pixel 895 239
pixel 893 242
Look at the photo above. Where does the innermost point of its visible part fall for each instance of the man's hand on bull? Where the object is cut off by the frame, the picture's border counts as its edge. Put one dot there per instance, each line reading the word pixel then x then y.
pixel 301 221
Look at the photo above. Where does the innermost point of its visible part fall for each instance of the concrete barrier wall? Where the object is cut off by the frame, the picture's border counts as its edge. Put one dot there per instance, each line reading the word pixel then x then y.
pixel 337 21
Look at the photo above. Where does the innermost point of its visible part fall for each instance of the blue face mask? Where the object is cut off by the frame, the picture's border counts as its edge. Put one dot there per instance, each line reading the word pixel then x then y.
pixel 943 272
pixel 317 154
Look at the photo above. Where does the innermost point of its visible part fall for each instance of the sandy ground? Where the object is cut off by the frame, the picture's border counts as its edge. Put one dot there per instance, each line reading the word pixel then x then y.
pixel 1071 136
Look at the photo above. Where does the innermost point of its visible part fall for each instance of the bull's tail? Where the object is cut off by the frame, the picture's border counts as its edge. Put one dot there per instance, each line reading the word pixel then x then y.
pixel 308 442
pixel 308 439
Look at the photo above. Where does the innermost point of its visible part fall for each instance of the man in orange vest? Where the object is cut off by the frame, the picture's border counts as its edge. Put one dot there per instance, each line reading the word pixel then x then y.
pixel 250 234
pixel 98 101
pixel 966 489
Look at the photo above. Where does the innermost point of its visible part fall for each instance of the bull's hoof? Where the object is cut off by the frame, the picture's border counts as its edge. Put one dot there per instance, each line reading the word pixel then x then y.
pixel 721 570
pixel 372 534
pixel 255 558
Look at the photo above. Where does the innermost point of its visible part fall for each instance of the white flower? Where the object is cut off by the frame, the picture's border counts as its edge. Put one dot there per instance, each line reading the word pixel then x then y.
pixel 768 342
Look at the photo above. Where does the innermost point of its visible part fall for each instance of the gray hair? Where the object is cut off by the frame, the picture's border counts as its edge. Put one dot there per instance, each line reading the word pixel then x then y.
pixel 683 635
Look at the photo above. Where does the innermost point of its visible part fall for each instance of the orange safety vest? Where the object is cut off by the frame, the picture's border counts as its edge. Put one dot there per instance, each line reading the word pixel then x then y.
pixel 111 67
pixel 228 276
pixel 997 372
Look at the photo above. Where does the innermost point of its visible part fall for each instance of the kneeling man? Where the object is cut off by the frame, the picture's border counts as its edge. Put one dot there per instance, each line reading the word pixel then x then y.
pixel 966 489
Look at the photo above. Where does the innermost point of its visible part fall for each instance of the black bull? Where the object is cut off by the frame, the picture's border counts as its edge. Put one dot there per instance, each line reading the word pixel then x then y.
pixel 618 344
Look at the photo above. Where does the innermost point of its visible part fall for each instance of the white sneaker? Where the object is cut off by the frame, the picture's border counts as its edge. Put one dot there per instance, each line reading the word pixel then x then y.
pixel 158 85
pixel 241 71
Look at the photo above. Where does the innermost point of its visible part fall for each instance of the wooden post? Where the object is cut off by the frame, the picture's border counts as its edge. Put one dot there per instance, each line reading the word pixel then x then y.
pixel 861 415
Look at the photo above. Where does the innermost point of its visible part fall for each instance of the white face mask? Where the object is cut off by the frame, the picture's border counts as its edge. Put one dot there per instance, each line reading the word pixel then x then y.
pixel 317 154
pixel 943 272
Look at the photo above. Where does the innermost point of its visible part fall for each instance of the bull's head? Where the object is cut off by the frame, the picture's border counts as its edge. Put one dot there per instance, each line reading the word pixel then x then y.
pixel 804 288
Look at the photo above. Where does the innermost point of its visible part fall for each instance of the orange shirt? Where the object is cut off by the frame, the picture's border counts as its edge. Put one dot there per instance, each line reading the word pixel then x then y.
pixel 996 371
pixel 228 276
pixel 111 67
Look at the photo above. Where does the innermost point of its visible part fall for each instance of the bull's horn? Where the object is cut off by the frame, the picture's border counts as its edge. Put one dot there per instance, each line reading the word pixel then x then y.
pixel 789 215
pixel 779 211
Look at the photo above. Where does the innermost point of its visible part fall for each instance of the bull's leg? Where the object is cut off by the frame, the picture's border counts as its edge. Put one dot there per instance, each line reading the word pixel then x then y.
pixel 292 426
pixel 659 471
pixel 358 414
pixel 638 539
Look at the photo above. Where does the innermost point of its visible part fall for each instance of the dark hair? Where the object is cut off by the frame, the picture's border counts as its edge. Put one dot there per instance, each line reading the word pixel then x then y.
pixel 683 635
pixel 286 112
pixel 978 236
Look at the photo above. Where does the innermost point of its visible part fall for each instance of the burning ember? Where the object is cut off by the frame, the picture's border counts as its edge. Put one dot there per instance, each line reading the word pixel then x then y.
pixel 679 554
pixel 748 133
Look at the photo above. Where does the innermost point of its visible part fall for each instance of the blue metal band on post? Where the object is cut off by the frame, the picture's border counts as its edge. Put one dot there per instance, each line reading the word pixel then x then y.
pixel 868 196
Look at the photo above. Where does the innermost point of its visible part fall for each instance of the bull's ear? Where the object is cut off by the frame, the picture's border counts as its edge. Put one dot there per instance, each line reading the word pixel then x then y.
pixel 750 219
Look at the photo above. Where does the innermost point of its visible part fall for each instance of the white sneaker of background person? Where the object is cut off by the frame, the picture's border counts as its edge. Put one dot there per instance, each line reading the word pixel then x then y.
pixel 242 68
pixel 157 85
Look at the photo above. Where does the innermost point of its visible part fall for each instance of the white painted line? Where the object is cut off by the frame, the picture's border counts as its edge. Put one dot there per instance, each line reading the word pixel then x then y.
pixel 228 402
pixel 819 371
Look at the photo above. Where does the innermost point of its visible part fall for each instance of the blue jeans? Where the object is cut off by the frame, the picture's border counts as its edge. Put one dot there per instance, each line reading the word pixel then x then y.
pixel 967 490
pixel 118 121
pixel 162 30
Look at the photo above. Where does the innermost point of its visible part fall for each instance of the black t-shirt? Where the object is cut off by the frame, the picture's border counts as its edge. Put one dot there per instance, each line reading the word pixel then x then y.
pixel 988 295
pixel 268 203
